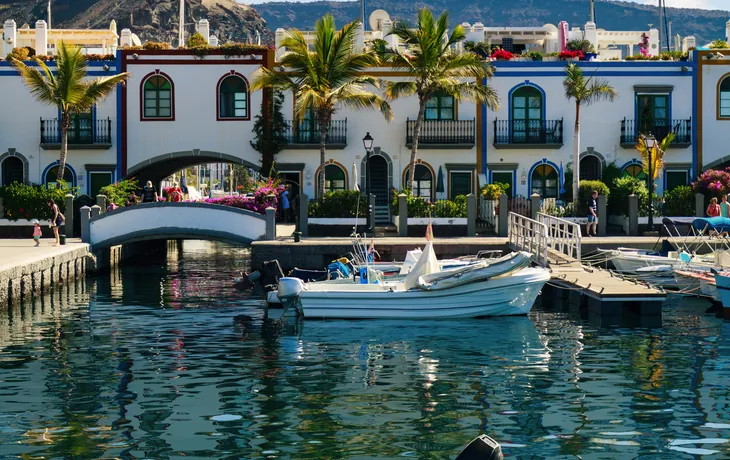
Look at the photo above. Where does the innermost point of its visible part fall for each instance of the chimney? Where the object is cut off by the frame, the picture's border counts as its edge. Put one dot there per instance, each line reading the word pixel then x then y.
pixel 10 29
pixel 126 38
pixel 204 30
pixel 41 37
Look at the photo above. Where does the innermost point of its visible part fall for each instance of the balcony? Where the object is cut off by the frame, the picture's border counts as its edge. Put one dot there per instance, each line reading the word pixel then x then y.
pixel 305 134
pixel 442 134
pixel 630 131
pixel 83 134
pixel 528 134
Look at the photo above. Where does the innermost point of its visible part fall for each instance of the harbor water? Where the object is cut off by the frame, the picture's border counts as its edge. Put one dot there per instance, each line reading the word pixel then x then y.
pixel 165 359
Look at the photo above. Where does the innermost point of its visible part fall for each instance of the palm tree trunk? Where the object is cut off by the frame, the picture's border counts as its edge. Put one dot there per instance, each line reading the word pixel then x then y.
pixel 576 150
pixel 414 147
pixel 65 123
pixel 324 121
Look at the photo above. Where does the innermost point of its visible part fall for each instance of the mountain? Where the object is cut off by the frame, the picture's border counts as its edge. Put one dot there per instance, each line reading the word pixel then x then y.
pixel 705 25
pixel 152 20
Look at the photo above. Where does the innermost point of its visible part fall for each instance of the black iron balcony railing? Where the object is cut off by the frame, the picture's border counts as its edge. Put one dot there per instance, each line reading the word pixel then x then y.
pixel 528 132
pixel 306 132
pixel 631 129
pixel 442 132
pixel 81 132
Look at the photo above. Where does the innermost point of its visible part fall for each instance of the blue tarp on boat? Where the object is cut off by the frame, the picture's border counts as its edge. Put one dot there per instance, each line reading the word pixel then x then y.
pixel 719 224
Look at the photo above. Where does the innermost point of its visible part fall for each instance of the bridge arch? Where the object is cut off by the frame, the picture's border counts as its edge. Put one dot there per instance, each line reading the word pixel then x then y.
pixel 159 167
pixel 176 221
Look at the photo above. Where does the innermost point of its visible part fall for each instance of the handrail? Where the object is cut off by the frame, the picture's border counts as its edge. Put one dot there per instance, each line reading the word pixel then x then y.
pixel 529 235
pixel 563 236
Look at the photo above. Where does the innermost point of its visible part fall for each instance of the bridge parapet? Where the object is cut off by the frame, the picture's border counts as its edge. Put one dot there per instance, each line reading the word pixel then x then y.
pixel 179 220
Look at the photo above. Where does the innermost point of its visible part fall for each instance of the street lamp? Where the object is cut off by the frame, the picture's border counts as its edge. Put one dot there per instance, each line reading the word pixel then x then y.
pixel 367 142
pixel 650 142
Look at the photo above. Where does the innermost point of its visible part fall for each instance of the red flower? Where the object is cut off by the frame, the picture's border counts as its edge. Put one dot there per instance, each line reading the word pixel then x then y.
pixel 21 209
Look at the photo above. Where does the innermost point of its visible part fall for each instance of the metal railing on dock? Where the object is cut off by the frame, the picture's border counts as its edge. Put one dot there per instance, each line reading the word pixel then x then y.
pixel 563 236
pixel 529 235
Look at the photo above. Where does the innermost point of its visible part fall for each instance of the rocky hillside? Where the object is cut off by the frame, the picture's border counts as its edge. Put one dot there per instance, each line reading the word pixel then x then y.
pixel 703 24
pixel 152 20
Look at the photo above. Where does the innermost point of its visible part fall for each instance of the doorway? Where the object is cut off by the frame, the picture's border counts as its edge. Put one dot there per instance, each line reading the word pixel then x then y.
pixel 378 175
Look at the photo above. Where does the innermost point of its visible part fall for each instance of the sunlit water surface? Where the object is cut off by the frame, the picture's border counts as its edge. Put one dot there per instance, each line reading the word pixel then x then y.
pixel 167 360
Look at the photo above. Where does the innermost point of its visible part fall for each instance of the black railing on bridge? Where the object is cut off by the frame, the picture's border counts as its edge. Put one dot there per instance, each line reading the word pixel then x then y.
pixel 631 129
pixel 306 132
pixel 524 132
pixel 81 132
pixel 442 132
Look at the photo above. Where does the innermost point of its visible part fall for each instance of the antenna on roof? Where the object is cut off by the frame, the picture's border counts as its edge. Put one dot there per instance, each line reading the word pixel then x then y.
pixel 181 25
pixel 49 14
pixel 592 7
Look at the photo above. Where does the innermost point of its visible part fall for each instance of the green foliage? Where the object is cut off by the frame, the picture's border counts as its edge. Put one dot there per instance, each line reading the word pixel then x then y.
pixel 198 45
pixel 618 205
pixel 680 201
pixel 481 49
pixel 719 45
pixel 156 46
pixel 418 207
pixel 269 131
pixel 341 203
pixel 378 46
pixel 534 55
pixel 580 45
pixel 585 188
pixel 447 208
pixel 494 191
pixel 117 192
pixel 610 173
pixel 239 49
pixel 20 54
pixel 30 201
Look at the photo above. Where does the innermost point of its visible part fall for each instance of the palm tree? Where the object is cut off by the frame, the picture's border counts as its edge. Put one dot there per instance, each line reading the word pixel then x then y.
pixel 585 91
pixel 330 76
pixel 435 69
pixel 657 154
pixel 67 89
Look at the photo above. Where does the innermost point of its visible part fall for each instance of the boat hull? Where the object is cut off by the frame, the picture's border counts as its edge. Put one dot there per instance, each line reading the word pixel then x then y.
pixel 505 296
pixel 723 288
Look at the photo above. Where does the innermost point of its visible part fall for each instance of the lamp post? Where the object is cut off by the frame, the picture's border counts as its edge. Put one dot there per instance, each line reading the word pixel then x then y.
pixel 650 142
pixel 367 142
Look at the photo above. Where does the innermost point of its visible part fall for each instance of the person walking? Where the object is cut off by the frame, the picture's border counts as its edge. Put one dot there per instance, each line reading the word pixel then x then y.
pixel 713 210
pixel 37 232
pixel 592 214
pixel 175 193
pixel 56 221
pixel 285 204
pixel 131 199
pixel 724 207
pixel 149 193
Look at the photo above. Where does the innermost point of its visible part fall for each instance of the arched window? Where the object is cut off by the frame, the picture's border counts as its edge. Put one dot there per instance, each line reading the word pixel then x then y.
pixel 724 98
pixel 527 114
pixel 545 181
pixel 635 170
pixel 334 178
pixel 233 98
pixel 12 170
pixel 590 168
pixel 422 182
pixel 52 175
pixel 158 103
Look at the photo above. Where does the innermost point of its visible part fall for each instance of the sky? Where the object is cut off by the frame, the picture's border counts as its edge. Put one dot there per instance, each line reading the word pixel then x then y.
pixel 703 4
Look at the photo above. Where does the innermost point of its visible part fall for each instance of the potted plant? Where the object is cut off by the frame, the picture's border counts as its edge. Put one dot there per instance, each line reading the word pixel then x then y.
pixel 501 55
pixel 550 57
pixel 567 55
pixel 535 56
pixel 585 47
pixel 492 192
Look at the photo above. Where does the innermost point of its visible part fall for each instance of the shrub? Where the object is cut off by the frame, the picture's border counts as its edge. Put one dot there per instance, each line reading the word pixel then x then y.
pixel 447 208
pixel 610 173
pixel 622 188
pixel 584 46
pixel 117 192
pixel 567 54
pixel 20 54
pixel 239 49
pixel 339 204
pixel 534 55
pixel 713 182
pixel 679 201
pixel 719 45
pixel 585 187
pixel 157 45
pixel 29 201
pixel 502 55
pixel 494 191
pixel 198 45
pixel 418 207
pixel 242 202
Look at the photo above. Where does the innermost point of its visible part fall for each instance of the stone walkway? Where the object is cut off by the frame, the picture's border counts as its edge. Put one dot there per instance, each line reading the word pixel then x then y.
pixel 15 252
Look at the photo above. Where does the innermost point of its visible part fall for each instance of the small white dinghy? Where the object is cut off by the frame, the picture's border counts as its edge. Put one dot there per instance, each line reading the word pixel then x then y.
pixel 502 287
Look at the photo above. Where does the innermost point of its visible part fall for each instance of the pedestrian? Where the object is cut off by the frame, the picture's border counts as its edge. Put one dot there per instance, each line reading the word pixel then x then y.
pixel 149 193
pixel 592 213
pixel 175 193
pixel 724 207
pixel 131 199
pixel 37 232
pixel 713 210
pixel 57 220
pixel 285 204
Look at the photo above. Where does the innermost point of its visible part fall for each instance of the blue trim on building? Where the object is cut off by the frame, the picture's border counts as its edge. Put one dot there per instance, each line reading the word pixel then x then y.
pixel 118 172
pixel 633 161
pixel 639 73
pixel 509 100
pixel 695 115
pixel 56 163
pixel 595 64
pixel 544 161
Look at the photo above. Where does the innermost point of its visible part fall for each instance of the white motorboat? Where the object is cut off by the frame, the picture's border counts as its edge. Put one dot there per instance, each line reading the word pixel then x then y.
pixel 722 282
pixel 501 287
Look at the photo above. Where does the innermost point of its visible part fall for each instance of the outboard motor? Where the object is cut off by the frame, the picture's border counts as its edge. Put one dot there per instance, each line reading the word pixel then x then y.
pixel 481 448
pixel 289 290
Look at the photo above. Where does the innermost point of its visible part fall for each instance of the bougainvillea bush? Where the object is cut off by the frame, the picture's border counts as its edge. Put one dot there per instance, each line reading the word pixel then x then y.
pixel 241 202
pixel 713 182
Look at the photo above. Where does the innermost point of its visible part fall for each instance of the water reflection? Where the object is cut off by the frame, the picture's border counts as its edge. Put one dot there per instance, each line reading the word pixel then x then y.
pixel 165 359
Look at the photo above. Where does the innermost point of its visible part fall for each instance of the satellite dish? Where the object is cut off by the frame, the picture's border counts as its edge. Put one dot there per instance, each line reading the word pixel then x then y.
pixel 375 21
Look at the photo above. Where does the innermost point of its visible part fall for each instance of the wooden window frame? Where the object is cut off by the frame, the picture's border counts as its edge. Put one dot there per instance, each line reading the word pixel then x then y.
pixel 142 115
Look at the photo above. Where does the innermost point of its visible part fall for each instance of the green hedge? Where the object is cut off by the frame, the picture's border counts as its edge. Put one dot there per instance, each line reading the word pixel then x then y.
pixel 22 201
pixel 339 204
pixel 618 205
pixel 418 207
pixel 585 187
pixel 680 201
pixel 118 192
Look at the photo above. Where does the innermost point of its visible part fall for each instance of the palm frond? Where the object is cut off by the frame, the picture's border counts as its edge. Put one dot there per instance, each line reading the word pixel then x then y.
pixel 398 89
pixel 599 90
pixel 40 88
pixel 71 72
pixel 481 94
pixel 360 99
pixel 99 89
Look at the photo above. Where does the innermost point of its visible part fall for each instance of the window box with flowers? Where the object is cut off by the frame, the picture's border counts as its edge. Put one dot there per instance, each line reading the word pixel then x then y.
pixel 567 55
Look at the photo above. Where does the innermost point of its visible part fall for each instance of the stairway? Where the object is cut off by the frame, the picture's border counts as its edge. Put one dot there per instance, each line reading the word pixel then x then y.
pixel 382 215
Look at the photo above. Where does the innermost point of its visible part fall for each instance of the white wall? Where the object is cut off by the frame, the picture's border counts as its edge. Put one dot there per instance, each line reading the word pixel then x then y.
pixel 715 133
pixel 195 125
pixel 20 128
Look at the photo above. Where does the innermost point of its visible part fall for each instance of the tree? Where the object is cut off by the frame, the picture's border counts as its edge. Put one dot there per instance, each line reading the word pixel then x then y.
pixel 435 68
pixel 585 91
pixel 270 128
pixel 657 153
pixel 330 76
pixel 67 88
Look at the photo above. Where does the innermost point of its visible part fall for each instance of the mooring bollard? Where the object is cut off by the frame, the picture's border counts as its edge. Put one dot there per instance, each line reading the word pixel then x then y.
pixel 303 214
pixel 471 215
pixel 700 205
pixel 101 202
pixel 602 216
pixel 633 215
pixel 270 224
pixel 85 213
pixel 68 228
pixel 503 222
pixel 402 215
